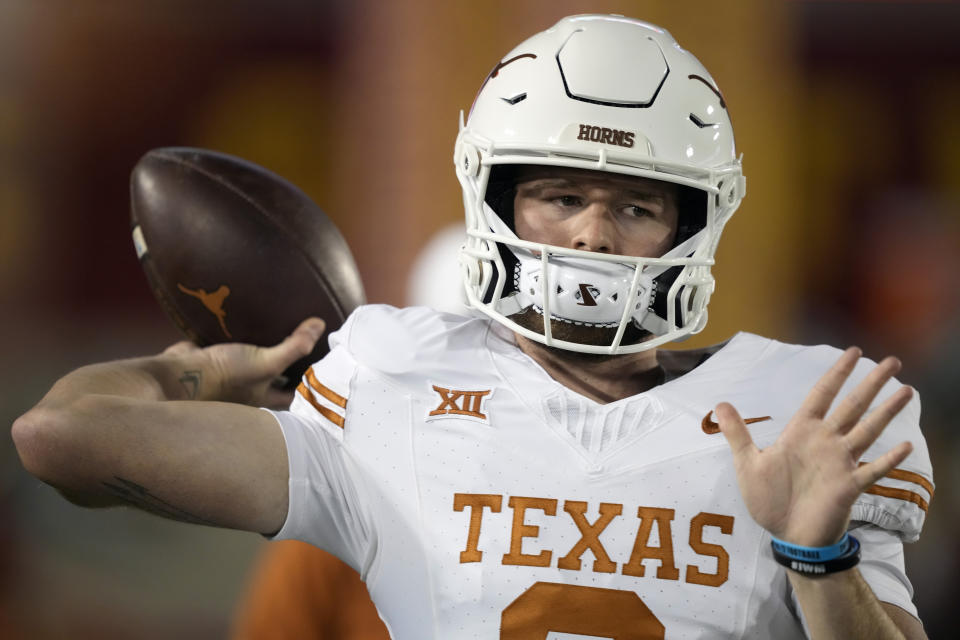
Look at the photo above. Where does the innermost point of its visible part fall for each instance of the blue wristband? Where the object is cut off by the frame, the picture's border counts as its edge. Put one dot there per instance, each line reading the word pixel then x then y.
pixel 812 554
pixel 816 561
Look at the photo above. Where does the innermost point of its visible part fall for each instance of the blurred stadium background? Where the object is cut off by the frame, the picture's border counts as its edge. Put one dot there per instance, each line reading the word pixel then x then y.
pixel 846 113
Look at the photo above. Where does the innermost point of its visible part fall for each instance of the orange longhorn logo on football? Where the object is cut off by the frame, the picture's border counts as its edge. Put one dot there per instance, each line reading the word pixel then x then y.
pixel 460 404
pixel 212 301
pixel 713 571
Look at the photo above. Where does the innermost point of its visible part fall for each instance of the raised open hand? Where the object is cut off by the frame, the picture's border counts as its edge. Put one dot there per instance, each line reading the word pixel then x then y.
pixel 801 488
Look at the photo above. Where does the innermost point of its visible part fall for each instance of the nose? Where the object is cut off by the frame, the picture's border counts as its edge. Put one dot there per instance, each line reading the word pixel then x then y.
pixel 594 229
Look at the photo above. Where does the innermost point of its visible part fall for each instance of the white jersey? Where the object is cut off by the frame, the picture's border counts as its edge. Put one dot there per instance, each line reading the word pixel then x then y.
pixel 479 498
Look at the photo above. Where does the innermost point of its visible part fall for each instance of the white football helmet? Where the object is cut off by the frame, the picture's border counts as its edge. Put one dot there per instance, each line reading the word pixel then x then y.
pixel 612 94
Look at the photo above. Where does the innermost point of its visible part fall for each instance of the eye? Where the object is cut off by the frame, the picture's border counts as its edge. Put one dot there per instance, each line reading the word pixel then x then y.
pixel 637 211
pixel 567 200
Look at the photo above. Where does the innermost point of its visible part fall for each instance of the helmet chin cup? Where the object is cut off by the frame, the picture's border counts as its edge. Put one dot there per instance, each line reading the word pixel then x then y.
pixel 605 93
pixel 582 291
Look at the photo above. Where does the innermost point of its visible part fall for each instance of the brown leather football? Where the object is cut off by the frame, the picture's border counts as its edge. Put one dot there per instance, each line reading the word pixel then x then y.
pixel 235 253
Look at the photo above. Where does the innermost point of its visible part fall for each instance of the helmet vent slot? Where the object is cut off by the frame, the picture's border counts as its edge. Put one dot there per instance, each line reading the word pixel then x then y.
pixel 700 123
pixel 515 99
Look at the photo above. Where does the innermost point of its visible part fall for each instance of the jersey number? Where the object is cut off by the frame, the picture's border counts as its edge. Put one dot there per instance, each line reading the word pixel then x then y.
pixel 568 608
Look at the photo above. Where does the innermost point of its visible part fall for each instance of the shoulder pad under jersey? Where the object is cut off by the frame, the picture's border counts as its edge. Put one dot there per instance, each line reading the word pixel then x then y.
pixel 399 344
pixel 395 341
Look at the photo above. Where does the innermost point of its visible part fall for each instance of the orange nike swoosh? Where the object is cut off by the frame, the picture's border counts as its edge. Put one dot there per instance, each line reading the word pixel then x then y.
pixel 710 427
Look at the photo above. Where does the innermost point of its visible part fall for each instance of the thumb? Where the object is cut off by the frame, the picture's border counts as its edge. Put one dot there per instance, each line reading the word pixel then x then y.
pixel 735 430
pixel 295 346
pixel 180 348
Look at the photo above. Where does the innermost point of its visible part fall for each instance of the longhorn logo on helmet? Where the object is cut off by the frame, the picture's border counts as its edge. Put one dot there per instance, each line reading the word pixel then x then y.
pixel 587 295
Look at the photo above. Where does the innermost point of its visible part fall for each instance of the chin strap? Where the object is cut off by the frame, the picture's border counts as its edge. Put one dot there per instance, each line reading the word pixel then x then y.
pixel 663 276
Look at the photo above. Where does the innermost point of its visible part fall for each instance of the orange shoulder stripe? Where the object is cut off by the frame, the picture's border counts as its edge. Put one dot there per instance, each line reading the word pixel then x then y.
pixel 910 476
pixel 327 413
pixel 327 393
pixel 903 494
pixel 899 494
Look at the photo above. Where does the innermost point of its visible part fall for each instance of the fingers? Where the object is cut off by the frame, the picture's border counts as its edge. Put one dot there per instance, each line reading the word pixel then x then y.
pixel 735 430
pixel 311 327
pixel 856 403
pixel 818 401
pixel 867 474
pixel 295 346
pixel 869 429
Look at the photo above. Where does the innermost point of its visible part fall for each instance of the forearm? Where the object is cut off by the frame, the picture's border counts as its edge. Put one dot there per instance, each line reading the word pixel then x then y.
pixel 161 377
pixel 841 605
pixel 121 430
pixel 114 433
pixel 210 462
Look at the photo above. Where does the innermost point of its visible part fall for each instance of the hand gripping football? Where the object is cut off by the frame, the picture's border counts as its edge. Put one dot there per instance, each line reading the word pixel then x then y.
pixel 235 253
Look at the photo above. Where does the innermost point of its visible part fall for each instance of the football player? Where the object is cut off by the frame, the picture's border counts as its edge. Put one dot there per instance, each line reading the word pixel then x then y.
pixel 540 468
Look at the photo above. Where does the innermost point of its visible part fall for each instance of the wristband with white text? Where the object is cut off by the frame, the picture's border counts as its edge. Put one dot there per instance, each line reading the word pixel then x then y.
pixel 817 560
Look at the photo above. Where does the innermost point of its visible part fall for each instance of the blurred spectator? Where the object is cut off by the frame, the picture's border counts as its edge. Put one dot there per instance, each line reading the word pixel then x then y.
pixel 435 279
pixel 298 592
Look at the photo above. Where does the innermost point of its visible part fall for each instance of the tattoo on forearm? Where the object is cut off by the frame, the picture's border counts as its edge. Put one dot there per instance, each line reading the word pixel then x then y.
pixel 191 383
pixel 138 496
